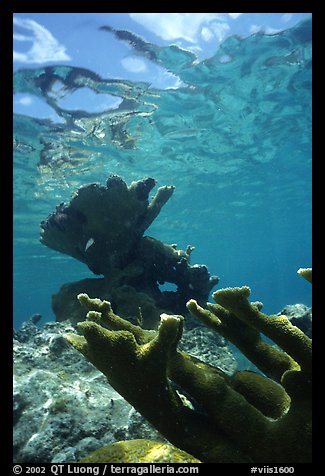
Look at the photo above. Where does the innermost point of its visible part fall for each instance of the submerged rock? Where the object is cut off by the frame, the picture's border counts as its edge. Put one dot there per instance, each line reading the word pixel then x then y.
pixel 202 343
pixel 299 315
pixel 63 407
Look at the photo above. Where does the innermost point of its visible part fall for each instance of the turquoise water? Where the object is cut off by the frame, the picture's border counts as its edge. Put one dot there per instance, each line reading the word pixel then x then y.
pixel 234 138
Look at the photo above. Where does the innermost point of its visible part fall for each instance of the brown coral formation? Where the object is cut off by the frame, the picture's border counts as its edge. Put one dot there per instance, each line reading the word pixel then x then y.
pixel 103 227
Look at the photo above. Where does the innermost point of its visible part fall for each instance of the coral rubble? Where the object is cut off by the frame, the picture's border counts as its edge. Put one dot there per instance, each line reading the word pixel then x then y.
pixel 247 417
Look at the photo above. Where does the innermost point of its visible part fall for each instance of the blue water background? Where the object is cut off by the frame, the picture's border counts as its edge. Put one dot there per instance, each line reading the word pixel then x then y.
pixel 235 140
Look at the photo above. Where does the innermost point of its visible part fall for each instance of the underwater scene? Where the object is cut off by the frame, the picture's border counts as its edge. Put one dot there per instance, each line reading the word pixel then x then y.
pixel 162 238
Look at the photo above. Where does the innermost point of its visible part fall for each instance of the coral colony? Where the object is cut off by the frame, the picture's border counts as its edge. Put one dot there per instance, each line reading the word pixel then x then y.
pixel 131 330
pixel 103 227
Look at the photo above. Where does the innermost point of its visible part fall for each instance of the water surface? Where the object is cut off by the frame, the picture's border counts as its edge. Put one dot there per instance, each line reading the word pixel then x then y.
pixel 234 137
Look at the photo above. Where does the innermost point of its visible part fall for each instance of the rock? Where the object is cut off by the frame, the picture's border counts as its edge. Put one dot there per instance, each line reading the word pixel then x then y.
pixel 210 347
pixel 28 330
pixel 300 316
pixel 63 406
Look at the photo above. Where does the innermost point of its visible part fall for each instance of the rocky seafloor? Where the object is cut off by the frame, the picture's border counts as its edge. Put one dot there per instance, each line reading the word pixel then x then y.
pixel 63 406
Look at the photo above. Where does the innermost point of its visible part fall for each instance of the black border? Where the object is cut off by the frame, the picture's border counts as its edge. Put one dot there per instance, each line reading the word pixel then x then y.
pixel 6 13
